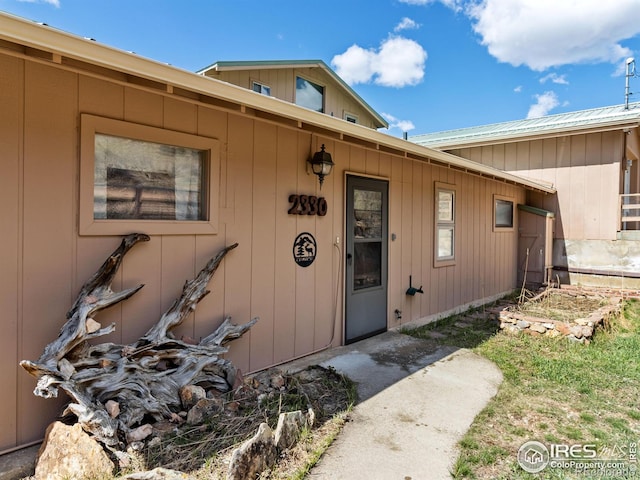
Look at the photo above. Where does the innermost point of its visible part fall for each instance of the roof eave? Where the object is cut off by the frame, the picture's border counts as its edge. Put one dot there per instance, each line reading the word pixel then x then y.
pixel 276 64
pixel 31 34
pixel 532 135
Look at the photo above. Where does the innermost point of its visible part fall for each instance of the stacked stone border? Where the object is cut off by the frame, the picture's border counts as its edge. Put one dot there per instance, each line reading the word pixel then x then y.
pixel 580 330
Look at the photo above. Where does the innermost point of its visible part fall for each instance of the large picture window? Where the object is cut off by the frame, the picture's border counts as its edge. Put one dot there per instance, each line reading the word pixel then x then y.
pixel 165 182
pixel 445 224
pixel 309 95
pixel 136 180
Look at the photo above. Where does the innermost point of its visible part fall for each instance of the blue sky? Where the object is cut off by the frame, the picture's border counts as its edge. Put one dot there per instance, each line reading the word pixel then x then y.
pixel 426 65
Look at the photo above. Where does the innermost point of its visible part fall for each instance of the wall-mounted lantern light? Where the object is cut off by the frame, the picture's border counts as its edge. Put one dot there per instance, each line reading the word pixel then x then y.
pixel 321 164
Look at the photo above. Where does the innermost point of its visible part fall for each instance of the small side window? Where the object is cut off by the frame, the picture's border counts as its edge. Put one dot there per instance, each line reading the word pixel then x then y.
pixel 261 88
pixel 502 213
pixel 349 117
pixel 445 225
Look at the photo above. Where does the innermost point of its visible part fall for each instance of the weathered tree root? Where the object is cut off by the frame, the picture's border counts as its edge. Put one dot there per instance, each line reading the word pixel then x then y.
pixel 145 377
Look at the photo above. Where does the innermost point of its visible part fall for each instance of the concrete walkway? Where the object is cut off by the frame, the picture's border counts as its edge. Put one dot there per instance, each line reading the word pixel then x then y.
pixel 415 404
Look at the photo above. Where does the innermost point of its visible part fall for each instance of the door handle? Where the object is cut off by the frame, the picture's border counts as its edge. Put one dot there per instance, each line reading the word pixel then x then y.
pixel 349 259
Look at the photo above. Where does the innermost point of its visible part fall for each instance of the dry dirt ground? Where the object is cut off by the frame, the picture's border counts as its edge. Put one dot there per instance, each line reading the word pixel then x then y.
pixel 204 450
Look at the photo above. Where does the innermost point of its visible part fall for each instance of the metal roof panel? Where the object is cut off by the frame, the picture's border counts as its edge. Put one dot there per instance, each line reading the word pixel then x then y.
pixel 558 124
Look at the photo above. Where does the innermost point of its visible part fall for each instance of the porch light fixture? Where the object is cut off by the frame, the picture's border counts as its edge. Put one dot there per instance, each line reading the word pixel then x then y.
pixel 321 164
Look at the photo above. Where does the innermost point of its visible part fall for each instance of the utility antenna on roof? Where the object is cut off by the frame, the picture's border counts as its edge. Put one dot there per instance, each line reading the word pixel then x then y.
pixel 631 72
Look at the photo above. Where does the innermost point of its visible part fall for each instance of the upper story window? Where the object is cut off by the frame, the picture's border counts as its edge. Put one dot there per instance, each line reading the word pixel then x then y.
pixel 261 88
pixel 153 180
pixel 309 94
pixel 349 117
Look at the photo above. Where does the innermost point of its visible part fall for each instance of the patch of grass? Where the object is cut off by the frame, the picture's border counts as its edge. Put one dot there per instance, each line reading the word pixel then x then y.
pixel 581 394
pixel 634 414
pixel 553 391
pixel 587 417
pixel 464 330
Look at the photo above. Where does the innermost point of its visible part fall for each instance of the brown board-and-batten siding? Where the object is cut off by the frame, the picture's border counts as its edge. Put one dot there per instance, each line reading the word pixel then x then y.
pixel 485 263
pixel 585 169
pixel 45 260
pixel 282 82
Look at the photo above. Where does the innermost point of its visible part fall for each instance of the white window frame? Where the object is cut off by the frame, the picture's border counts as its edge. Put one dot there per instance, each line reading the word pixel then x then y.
pixel 264 88
pixel 350 117
pixel 501 228
pixel 444 221
pixel 88 225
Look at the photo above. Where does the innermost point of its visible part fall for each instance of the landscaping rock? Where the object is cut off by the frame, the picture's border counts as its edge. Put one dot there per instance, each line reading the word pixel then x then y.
pixel 190 395
pixel 311 418
pixel 579 330
pixel 203 409
pixel 140 433
pixel 254 456
pixel 576 331
pixel 158 474
pixel 277 381
pixel 587 331
pixel 289 428
pixel 69 453
pixel 113 408
pixel 538 328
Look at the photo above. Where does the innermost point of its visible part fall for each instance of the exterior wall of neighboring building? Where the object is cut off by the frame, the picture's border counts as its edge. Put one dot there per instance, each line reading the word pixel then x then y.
pixel 283 86
pixel 587 170
pixel 45 260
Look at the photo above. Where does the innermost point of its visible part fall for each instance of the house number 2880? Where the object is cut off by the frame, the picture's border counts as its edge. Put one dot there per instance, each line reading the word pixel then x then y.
pixel 307 205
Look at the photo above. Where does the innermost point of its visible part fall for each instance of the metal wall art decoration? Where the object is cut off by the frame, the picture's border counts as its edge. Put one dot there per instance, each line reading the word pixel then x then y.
pixel 304 249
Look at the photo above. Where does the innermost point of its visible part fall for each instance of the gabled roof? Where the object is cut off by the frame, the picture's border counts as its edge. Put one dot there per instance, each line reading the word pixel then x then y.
pixel 597 119
pixel 281 64
pixel 75 53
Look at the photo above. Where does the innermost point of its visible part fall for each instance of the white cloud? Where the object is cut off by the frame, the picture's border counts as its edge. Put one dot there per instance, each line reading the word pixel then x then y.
pixel 403 125
pixel 518 89
pixel 545 102
pixel 55 3
pixel 355 65
pixel 453 4
pixel 546 33
pixel 406 24
pixel 397 63
pixel 555 78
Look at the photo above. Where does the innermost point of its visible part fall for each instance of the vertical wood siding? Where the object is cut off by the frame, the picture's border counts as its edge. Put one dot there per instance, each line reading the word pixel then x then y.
pixel 282 82
pixel 585 169
pixel 44 261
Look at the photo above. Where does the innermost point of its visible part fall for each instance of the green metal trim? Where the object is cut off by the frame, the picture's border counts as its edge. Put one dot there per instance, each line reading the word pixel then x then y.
pixel 536 211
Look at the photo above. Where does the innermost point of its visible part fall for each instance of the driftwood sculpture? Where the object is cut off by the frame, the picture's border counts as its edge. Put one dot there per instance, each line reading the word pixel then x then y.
pixel 145 377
